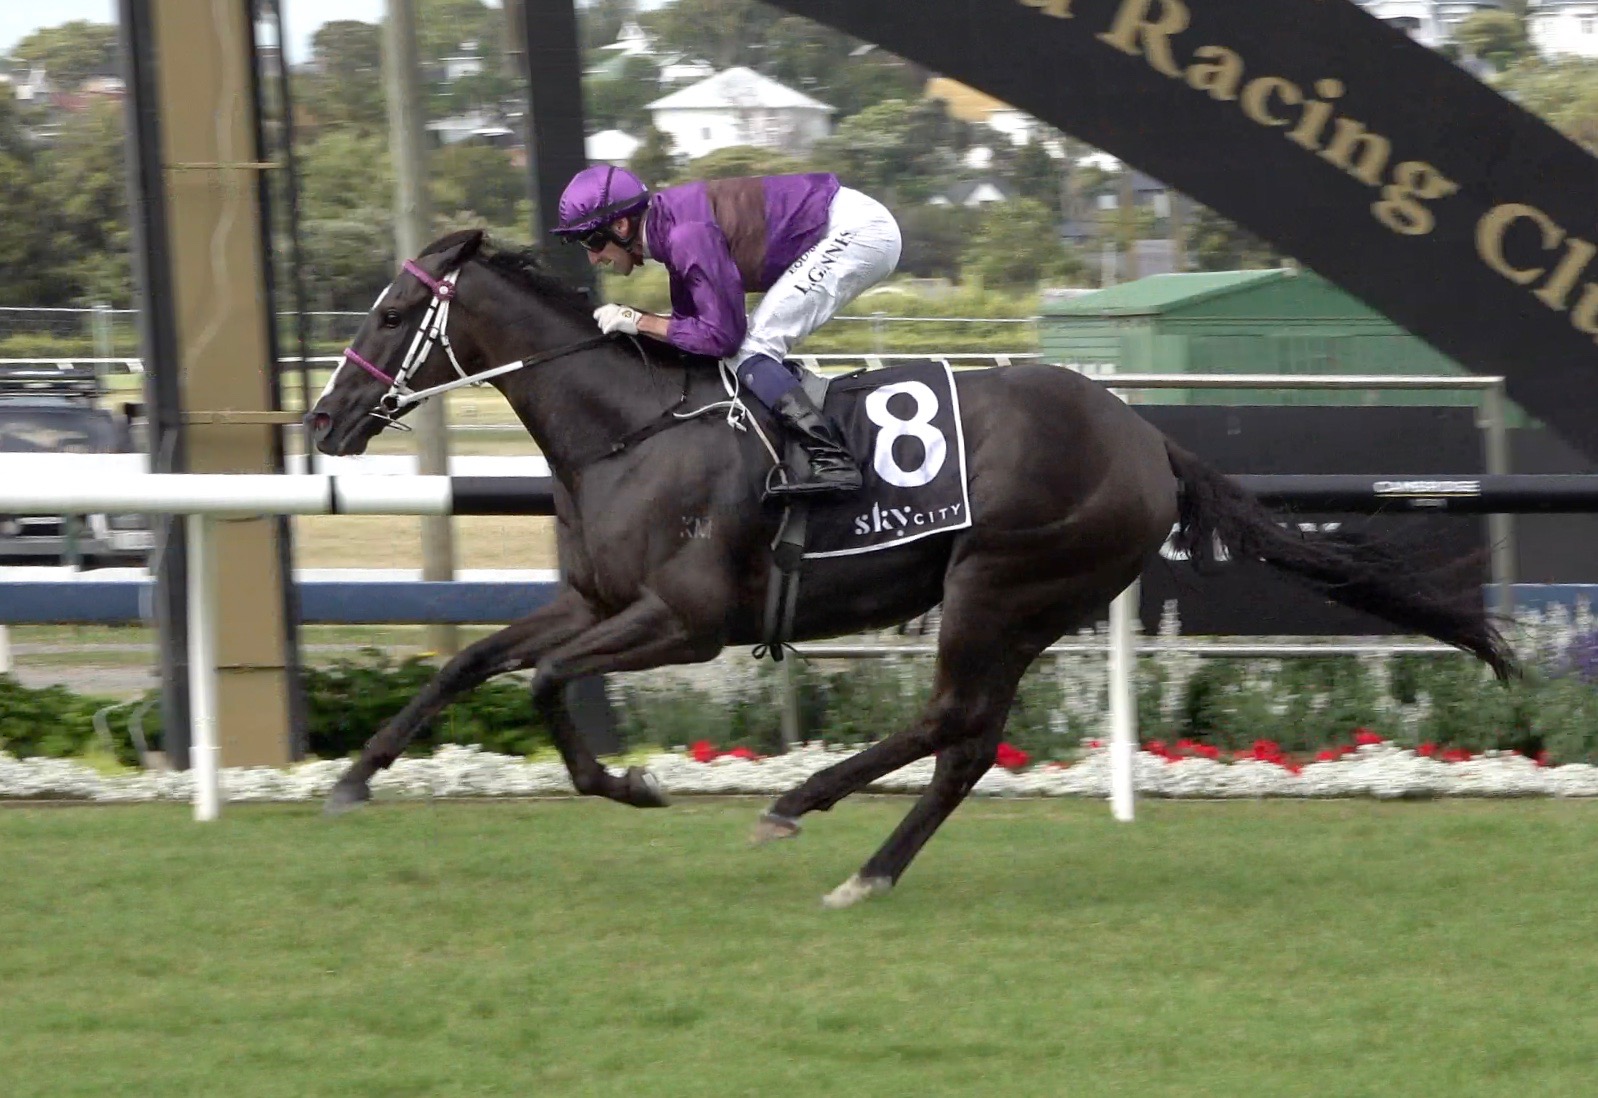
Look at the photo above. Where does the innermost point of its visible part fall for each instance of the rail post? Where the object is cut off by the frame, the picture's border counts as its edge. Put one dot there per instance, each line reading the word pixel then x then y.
pixel 1123 703
pixel 1500 527
pixel 203 735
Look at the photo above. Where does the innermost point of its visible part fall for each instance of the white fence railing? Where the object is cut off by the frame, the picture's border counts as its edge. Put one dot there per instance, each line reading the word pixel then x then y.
pixel 201 497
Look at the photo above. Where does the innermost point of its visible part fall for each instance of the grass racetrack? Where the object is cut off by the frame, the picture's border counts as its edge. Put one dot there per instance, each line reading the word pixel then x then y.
pixel 581 948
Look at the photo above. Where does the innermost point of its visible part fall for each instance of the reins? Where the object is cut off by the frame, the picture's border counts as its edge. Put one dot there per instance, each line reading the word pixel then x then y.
pixel 432 333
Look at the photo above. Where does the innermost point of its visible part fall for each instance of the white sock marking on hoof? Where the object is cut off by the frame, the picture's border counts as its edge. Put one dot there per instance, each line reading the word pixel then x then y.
pixel 855 889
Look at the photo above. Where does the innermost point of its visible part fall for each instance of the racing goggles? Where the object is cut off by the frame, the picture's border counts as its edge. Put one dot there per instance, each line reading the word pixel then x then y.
pixel 594 240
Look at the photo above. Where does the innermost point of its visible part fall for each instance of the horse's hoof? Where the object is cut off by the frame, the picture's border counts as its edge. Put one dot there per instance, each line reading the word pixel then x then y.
pixel 643 790
pixel 854 890
pixel 346 797
pixel 769 828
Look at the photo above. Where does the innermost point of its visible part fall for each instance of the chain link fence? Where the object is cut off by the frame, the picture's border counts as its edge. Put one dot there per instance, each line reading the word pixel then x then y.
pixel 100 332
pixel 113 333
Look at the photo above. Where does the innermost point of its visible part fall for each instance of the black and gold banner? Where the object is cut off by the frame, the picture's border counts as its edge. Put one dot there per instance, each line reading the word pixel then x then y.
pixel 1374 161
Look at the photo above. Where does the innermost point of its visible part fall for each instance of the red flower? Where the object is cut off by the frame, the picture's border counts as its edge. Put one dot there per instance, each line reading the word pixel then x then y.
pixel 1426 750
pixel 703 751
pixel 743 753
pixel 1328 756
pixel 1365 737
pixel 1456 755
pixel 1542 758
pixel 1011 757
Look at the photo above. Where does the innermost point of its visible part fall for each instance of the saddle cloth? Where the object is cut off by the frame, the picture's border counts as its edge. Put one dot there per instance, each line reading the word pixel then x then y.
pixel 903 425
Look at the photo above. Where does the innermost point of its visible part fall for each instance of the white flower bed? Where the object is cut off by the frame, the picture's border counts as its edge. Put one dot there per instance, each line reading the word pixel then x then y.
pixel 1378 770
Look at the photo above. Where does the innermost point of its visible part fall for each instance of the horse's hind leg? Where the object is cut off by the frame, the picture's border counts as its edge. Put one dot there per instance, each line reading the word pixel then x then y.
pixel 960 767
pixel 973 686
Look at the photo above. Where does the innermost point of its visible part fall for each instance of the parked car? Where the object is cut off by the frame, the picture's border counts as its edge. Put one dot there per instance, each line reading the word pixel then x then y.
pixel 56 409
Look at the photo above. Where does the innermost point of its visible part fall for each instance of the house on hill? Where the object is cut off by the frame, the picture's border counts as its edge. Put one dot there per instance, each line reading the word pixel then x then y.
pixel 741 107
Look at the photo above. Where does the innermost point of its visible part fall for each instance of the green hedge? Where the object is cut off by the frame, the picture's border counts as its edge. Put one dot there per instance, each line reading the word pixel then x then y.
pixel 1304 705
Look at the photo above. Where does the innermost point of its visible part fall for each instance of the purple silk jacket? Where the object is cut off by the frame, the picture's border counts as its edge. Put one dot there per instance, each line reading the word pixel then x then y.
pixel 725 238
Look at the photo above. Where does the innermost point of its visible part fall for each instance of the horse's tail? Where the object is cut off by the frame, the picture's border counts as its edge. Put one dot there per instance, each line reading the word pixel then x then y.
pixel 1440 600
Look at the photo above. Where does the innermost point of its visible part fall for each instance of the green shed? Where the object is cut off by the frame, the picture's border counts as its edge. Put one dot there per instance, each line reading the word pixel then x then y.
pixel 1279 321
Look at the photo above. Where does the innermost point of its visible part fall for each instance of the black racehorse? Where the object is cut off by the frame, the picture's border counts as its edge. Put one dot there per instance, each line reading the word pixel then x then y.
pixel 667 545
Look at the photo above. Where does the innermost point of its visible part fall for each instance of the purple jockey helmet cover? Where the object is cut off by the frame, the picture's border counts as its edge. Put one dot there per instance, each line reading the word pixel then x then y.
pixel 599 195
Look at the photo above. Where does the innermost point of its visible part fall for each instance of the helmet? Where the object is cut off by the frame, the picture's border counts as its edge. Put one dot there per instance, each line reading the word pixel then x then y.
pixel 598 195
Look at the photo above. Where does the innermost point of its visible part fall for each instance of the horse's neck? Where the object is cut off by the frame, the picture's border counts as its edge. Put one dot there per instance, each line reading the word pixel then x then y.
pixel 578 405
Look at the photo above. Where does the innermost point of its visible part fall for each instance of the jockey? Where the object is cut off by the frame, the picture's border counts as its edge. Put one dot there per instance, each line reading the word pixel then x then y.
pixel 810 244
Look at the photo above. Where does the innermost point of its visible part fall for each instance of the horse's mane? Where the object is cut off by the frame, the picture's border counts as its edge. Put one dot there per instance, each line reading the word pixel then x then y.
pixel 525 266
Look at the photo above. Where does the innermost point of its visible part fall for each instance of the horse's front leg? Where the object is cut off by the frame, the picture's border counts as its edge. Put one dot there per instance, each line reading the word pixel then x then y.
pixel 519 645
pixel 649 633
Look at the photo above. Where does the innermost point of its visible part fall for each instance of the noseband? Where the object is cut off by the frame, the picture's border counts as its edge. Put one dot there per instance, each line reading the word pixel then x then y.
pixel 433 332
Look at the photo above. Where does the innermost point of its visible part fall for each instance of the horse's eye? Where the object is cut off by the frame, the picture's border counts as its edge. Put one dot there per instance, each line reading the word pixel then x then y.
pixel 391 319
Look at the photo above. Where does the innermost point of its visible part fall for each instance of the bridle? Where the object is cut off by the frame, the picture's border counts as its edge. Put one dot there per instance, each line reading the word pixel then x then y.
pixel 433 332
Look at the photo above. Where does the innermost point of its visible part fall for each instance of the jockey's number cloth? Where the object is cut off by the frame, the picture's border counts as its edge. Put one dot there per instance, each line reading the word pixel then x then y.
pixel 902 423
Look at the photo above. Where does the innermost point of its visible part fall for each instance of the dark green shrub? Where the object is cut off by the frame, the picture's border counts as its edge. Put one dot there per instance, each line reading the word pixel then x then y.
pixel 52 722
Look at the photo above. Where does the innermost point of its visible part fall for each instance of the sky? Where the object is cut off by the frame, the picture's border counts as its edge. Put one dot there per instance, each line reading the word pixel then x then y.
pixel 300 17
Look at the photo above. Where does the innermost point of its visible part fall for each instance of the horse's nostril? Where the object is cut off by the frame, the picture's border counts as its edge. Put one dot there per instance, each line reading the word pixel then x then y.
pixel 319 423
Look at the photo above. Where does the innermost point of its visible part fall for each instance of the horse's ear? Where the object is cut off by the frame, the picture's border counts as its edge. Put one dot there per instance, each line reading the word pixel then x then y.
pixel 457 250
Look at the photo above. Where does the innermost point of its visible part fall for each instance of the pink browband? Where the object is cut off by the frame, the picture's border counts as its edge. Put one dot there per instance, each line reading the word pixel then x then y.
pixel 440 289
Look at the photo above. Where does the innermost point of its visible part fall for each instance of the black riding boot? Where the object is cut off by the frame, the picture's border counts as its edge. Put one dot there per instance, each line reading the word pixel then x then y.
pixel 831 467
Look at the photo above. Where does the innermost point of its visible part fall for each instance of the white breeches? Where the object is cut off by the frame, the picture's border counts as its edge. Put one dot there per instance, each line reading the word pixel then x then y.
pixel 861 248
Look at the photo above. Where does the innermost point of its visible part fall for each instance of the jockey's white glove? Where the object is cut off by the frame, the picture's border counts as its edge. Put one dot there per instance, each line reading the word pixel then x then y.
pixel 618 318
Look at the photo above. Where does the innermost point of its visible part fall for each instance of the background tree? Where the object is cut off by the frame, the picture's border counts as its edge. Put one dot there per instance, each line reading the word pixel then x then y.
pixel 348 230
pixel 93 240
pixel 617 102
pixel 443 27
pixel 29 274
pixel 344 85
pixel 723 32
pixel 1032 173
pixel 1017 245
pixel 841 71
pixel 600 21
pixel 935 239
pixel 738 161
pixel 469 180
pixel 70 53
pixel 1217 244
pixel 654 162
pixel 1499 37
pixel 898 151
pixel 1563 92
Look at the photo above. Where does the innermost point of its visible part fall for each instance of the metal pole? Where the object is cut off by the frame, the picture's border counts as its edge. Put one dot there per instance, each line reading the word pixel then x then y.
pixel 5 651
pixel 1500 528
pixel 402 76
pixel 203 734
pixel 1123 704
pixel 790 706
pixel 158 348
pixel 296 235
pixel 100 324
